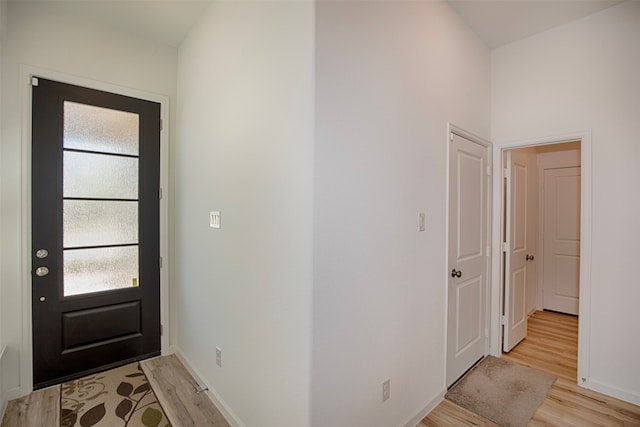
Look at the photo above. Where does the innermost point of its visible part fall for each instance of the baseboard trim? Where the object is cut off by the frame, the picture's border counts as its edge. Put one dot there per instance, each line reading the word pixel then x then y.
pixel 415 420
pixel 616 392
pixel 15 393
pixel 215 397
pixel 4 394
pixel 3 397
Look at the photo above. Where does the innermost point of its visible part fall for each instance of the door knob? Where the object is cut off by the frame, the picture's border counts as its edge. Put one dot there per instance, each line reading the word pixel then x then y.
pixel 456 273
pixel 42 253
pixel 529 257
pixel 42 271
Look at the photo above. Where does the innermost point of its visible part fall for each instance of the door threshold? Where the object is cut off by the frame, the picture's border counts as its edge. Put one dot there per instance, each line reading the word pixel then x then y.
pixel 97 370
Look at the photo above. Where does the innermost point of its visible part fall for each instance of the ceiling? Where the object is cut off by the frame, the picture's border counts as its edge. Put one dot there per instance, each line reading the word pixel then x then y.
pixel 496 22
pixel 164 21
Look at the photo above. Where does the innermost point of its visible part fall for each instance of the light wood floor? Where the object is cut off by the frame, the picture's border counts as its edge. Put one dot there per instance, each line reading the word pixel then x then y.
pixel 177 392
pixel 551 346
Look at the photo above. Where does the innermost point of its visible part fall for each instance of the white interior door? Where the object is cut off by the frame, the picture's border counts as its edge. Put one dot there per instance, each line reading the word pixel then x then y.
pixel 468 261
pixel 520 236
pixel 561 240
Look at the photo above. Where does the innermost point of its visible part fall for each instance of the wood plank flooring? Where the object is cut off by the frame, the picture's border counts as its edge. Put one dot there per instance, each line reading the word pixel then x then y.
pixel 551 346
pixel 174 387
pixel 40 408
pixel 178 393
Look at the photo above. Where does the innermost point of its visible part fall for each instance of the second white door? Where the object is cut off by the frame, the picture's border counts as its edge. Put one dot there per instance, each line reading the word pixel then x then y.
pixel 561 239
pixel 520 239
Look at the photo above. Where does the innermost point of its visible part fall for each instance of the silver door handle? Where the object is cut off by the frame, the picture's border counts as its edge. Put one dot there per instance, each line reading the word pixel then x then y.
pixel 42 271
pixel 42 253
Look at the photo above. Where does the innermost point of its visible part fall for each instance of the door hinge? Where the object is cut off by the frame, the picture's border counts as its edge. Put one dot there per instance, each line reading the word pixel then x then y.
pixel 161 125
pixel 503 320
pixel 450 136
pixel 506 173
pixel 34 81
pixel 160 193
pixel 489 170
pixel 161 330
pixel 505 246
pixel 160 262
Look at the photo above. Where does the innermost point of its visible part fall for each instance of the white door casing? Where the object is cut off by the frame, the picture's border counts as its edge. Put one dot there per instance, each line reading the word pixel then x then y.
pixel 497 265
pixel 520 236
pixel 561 276
pixel 468 255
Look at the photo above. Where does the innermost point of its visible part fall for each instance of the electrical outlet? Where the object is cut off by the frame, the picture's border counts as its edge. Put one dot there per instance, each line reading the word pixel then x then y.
pixel 218 357
pixel 214 219
pixel 386 390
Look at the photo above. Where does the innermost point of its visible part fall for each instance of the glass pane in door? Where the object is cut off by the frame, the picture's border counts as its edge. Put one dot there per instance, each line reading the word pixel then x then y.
pixel 99 223
pixel 87 127
pixel 100 199
pixel 100 269
pixel 97 175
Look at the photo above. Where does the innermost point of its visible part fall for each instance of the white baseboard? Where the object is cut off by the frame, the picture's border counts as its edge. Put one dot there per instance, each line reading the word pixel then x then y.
pixel 3 396
pixel 217 400
pixel 415 420
pixel 169 350
pixel 15 393
pixel 618 393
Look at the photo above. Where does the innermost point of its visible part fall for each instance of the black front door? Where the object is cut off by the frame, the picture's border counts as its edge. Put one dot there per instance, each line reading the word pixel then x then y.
pixel 95 230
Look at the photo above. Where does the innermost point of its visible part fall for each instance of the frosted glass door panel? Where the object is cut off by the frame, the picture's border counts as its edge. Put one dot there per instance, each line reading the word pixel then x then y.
pixel 101 269
pixel 100 189
pixel 99 223
pixel 100 176
pixel 87 127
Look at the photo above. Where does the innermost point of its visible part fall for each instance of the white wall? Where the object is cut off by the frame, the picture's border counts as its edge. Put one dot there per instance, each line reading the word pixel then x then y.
pixel 584 75
pixel 40 35
pixel 389 75
pixel 245 147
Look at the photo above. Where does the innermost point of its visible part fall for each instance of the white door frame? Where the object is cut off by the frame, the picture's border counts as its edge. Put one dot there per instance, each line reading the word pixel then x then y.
pixel 26 72
pixel 452 128
pixel 495 340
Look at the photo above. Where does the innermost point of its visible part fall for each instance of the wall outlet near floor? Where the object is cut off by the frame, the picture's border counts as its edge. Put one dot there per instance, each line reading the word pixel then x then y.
pixel 386 390
pixel 218 357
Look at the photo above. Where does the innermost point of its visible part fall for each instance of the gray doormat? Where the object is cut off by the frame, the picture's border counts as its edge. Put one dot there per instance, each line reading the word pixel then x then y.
pixel 504 392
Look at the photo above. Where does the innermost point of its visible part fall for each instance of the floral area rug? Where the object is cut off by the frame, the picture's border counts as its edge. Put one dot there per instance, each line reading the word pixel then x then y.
pixel 119 397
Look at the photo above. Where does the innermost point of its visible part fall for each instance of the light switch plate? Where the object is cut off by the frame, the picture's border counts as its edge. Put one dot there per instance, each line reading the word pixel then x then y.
pixel 214 219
